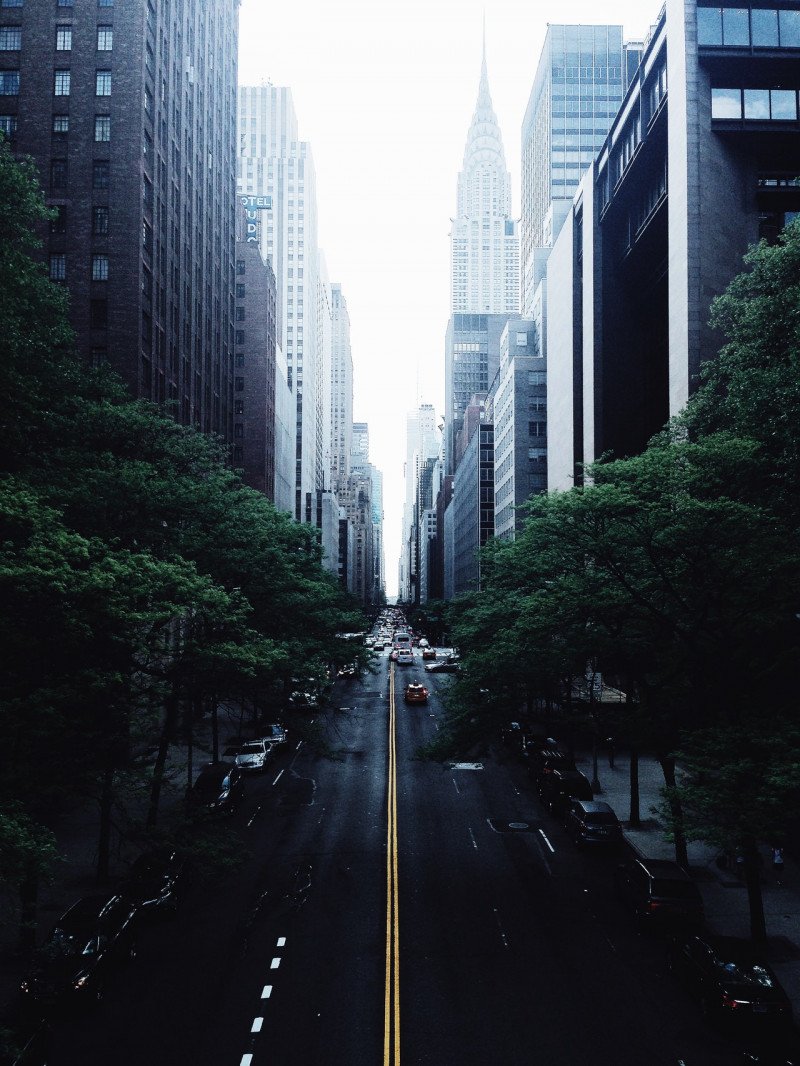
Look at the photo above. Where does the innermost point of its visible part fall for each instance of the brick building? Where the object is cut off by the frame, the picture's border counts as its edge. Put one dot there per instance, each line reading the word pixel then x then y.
pixel 128 110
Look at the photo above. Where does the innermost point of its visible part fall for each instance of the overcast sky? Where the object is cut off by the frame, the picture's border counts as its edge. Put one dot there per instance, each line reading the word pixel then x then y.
pixel 384 91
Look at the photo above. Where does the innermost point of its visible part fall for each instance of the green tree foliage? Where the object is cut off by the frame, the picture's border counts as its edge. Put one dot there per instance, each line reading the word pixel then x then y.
pixel 142 581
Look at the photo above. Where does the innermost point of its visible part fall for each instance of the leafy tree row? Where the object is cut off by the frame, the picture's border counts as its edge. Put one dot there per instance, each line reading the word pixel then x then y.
pixel 142 582
pixel 676 573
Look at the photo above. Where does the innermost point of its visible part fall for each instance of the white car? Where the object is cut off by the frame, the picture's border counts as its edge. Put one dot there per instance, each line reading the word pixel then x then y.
pixel 274 733
pixel 405 657
pixel 423 643
pixel 253 755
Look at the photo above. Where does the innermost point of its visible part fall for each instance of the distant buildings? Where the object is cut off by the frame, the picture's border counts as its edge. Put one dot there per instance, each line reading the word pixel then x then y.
pixel 129 114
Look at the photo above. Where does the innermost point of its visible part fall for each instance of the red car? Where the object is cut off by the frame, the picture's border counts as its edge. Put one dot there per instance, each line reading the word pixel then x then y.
pixel 429 653
pixel 416 693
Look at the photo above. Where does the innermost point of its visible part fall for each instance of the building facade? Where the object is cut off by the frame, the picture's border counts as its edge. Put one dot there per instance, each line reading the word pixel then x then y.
pixel 128 111
pixel 519 415
pixel 700 162
pixel 274 163
pixel 472 508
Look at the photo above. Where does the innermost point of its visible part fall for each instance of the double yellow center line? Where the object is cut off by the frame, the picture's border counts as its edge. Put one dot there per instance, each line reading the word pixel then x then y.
pixel 391 1015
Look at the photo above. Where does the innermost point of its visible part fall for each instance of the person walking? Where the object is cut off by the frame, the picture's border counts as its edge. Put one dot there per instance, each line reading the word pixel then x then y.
pixel 777 863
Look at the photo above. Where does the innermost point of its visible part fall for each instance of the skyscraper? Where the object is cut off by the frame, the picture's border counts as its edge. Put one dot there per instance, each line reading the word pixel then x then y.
pixel 484 246
pixel 577 90
pixel 341 389
pixel 128 112
pixel 273 162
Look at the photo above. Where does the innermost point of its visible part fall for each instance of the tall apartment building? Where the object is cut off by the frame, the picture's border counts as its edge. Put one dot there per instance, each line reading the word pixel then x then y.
pixel 129 113
pixel 341 413
pixel 484 245
pixel 273 162
pixel 701 161
pixel 422 443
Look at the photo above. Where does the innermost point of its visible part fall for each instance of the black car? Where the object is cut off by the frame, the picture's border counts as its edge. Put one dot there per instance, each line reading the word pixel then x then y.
pixel 87 945
pixel 156 883
pixel 219 787
pixel 559 787
pixel 732 983
pixel 659 892
pixel 543 761
pixel 593 822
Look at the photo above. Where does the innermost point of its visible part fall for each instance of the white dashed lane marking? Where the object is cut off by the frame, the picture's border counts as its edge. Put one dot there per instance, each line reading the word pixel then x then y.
pixel 274 964
pixel 547 842
pixel 277 779
pixel 256 1026
pixel 474 841
pixel 266 991
pixel 281 941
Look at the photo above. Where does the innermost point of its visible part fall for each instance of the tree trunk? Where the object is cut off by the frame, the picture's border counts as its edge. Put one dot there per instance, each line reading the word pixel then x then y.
pixel 681 854
pixel 28 899
pixel 755 900
pixel 167 734
pixel 214 728
pixel 104 843
pixel 635 819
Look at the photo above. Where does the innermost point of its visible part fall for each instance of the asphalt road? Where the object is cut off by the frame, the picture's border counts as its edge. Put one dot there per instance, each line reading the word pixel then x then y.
pixel 393 910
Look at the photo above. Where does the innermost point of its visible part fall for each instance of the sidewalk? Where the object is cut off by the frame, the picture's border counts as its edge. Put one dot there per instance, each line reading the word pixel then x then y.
pixel 724 894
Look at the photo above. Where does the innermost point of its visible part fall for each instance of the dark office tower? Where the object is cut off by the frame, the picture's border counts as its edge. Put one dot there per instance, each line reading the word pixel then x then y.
pixel 255 367
pixel 472 356
pixel 129 111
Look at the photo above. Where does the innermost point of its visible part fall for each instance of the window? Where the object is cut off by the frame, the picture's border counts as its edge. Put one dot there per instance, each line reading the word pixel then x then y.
pixel 101 174
pixel 105 3
pixel 735 26
pixel 238 407
pixel 783 104
pixel 102 83
pixel 709 25
pixel 240 268
pixel 99 268
pixel 239 359
pixel 9 83
pixel 98 314
pixel 756 103
pixel 102 127
pixel 240 315
pixel 10 38
pixel 58 174
pixel 522 339
pixel 63 38
pixel 239 291
pixel 10 3
pixel 58 267
pixel 764 25
pixel 726 103
pixel 61 87
pixel 105 38
pixel 239 336
pixel 239 384
pixel 790 28
pixel 99 356
pixel 60 123
pixel 64 3
pixel 99 220
pixel 8 125
pixel 238 430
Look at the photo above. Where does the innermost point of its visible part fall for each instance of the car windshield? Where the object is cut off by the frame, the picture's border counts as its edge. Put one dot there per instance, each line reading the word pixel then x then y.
pixel 252 749
pixel 674 889
pixel 67 944
pixel 743 972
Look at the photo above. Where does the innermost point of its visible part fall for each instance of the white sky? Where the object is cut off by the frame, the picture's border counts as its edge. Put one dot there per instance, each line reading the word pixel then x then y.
pixel 384 91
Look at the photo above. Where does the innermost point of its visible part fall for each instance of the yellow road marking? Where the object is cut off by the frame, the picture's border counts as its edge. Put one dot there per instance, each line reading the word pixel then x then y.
pixel 391 1013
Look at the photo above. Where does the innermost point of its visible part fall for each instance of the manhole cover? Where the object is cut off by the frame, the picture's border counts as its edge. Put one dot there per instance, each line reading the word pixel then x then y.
pixel 500 825
pixel 518 825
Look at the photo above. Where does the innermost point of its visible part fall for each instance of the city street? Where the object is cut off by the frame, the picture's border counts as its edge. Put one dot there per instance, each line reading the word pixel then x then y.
pixel 501 943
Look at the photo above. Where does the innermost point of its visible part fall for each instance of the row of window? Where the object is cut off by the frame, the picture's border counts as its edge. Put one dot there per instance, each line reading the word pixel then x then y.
pixel 740 27
pixel 59 3
pixel 58 267
pixel 62 83
pixel 755 104
pixel 11 38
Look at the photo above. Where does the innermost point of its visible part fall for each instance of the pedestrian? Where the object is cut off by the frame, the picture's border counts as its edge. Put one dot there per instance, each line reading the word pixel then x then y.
pixel 777 863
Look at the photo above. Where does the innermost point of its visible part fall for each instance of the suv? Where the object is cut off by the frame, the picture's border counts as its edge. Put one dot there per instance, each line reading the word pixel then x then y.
pixel 593 822
pixel 544 760
pixel 95 936
pixel 659 892
pixel 558 787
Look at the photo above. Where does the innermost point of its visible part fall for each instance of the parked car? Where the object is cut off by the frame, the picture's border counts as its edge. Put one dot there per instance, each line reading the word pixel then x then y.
pixel 303 701
pixel 659 892
pixel 593 822
pixel 156 883
pixel 274 733
pixel 87 945
pixel 252 757
pixel 219 787
pixel 348 671
pixel 443 667
pixel 733 984
pixel 429 653
pixel 559 787
pixel 416 693
pixel 546 760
